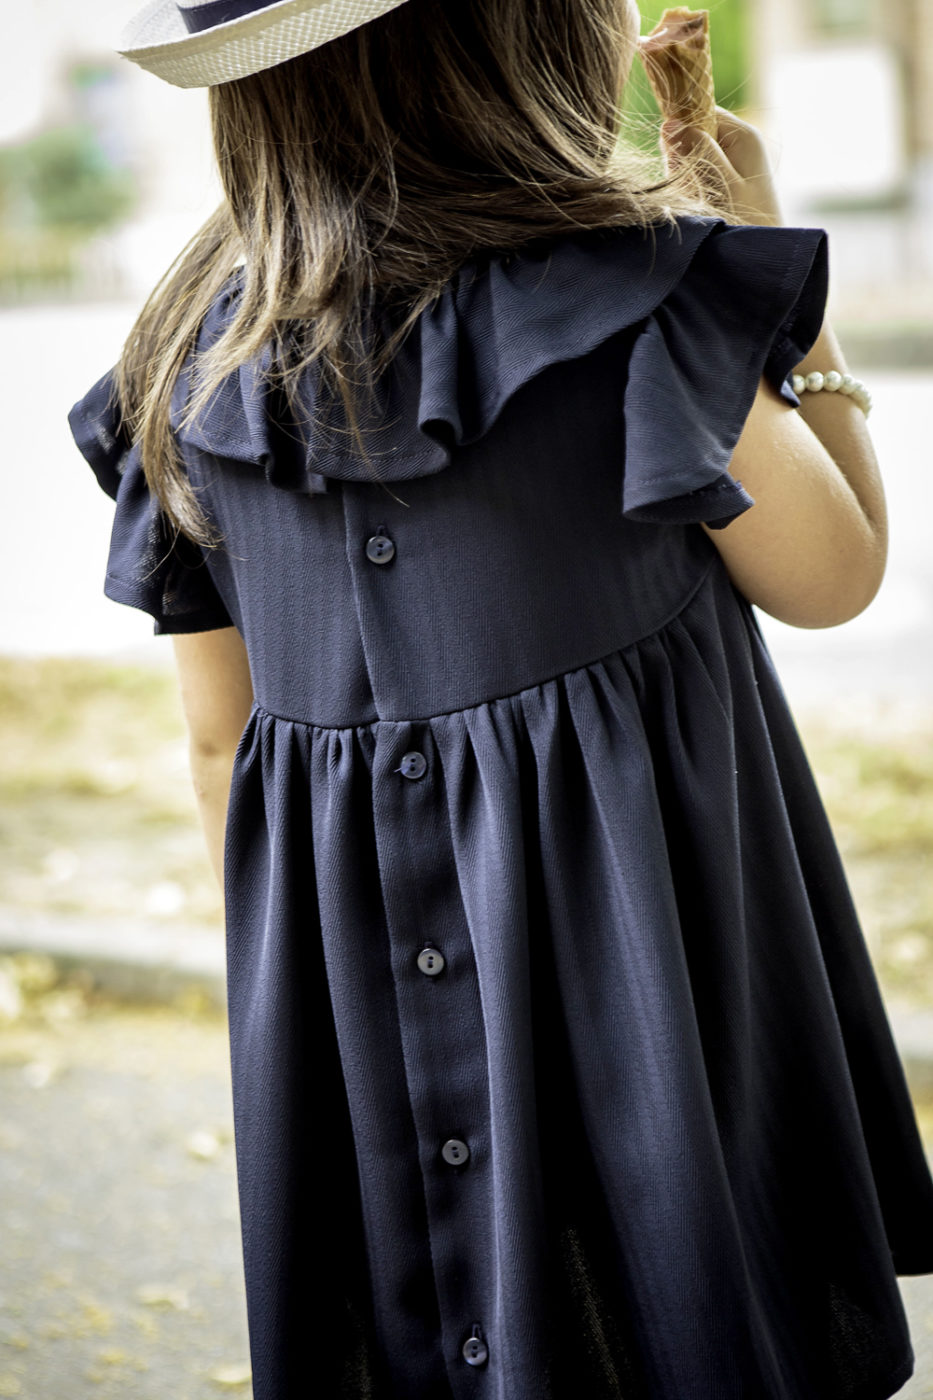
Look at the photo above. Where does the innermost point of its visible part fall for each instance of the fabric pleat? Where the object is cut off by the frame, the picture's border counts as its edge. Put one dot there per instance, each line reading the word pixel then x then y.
pixel 737 1175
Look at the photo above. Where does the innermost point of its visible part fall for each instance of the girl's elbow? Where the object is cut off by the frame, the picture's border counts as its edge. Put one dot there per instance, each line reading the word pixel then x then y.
pixel 862 574
pixel 833 596
pixel 833 613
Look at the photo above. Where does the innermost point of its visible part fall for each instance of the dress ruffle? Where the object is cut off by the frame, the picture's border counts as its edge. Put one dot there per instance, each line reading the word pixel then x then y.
pixel 709 308
pixel 149 566
pixel 702 310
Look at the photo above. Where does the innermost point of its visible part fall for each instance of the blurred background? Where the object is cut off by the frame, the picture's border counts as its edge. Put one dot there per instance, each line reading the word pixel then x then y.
pixel 120 1272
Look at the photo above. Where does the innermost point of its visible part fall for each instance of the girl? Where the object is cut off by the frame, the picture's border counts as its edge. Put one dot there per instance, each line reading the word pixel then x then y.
pixel 453 453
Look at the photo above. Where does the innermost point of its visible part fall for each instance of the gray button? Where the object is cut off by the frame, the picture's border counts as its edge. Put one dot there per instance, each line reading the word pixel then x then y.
pixel 455 1152
pixel 475 1350
pixel 431 961
pixel 413 765
pixel 380 549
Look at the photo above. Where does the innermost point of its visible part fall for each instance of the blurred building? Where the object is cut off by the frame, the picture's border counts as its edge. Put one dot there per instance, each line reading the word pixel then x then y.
pixel 845 88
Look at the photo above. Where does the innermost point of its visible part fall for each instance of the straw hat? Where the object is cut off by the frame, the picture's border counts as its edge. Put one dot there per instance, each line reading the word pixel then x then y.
pixel 205 42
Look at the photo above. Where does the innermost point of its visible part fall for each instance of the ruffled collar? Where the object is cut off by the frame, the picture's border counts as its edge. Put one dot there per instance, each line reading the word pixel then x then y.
pixel 712 308
pixel 499 321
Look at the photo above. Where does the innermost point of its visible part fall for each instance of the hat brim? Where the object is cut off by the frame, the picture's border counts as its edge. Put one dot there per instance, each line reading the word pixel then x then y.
pixel 156 38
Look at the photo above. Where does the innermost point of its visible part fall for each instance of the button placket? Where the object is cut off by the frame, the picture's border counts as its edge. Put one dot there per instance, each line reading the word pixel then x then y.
pixel 442 1037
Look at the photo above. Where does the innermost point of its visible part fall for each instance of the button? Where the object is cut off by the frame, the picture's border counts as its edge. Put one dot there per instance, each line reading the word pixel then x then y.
pixel 455 1152
pixel 431 961
pixel 475 1350
pixel 380 549
pixel 413 765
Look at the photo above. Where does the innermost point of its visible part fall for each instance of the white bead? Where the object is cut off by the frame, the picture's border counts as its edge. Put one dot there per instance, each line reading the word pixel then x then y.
pixel 836 383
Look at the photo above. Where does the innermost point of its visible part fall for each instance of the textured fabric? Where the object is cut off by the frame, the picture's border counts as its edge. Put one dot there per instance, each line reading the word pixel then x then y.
pixel 157 38
pixel 546 741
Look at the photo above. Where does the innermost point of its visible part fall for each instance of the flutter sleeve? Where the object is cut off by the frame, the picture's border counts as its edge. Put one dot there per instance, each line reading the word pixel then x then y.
pixel 150 566
pixel 750 304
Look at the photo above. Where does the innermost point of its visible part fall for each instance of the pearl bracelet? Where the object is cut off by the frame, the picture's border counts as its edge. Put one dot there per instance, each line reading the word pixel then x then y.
pixel 834 383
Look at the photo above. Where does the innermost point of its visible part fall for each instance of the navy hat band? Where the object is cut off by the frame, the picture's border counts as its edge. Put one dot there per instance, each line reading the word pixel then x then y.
pixel 198 17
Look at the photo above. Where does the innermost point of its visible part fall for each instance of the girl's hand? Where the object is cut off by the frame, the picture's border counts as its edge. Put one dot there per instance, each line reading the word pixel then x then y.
pixel 735 168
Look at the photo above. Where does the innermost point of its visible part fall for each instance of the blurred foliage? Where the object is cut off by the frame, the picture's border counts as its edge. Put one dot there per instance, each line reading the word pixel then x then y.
pixel 39 260
pixel 61 179
pixel 58 189
pixel 730 44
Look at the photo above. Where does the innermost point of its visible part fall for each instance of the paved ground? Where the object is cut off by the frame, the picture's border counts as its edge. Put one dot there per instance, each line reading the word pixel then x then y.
pixel 121 1277
pixel 121 1272
pixel 918 1297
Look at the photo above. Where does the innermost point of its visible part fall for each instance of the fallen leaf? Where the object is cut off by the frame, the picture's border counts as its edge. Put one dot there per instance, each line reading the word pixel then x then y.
pixel 162 1295
pixel 146 1324
pixel 95 1316
pixel 203 1143
pixel 237 1374
pixel 39 1073
pixel 112 1356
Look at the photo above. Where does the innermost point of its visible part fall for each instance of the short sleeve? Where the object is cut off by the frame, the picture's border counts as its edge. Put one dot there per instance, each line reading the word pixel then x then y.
pixel 149 565
pixel 750 304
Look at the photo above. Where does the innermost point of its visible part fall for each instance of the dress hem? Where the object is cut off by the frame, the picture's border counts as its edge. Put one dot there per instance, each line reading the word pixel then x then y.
pixel 889 1385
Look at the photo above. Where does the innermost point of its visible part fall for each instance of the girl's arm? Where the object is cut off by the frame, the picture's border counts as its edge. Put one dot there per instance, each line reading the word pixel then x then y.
pixel 813 548
pixel 216 696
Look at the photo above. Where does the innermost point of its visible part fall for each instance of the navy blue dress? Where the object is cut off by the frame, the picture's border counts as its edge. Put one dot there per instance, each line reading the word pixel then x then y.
pixel 560 1068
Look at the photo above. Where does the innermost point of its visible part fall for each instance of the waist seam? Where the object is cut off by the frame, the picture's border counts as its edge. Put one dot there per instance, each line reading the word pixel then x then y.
pixel 259 708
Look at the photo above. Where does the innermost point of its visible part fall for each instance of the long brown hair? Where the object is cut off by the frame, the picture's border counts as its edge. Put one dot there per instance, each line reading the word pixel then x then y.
pixel 372 168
